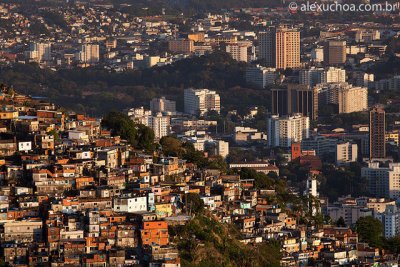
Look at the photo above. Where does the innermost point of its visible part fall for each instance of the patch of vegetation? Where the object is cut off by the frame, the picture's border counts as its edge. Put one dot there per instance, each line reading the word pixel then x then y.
pixel 138 135
pixel 337 182
pixel 54 18
pixel 206 242
pixel 172 146
pixel 370 230
pixel 96 91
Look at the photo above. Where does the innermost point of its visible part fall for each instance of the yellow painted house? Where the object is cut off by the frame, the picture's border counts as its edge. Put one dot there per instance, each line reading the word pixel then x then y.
pixel 163 210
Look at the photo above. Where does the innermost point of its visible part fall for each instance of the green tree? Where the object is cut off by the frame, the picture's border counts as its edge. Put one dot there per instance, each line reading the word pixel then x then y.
pixel 341 222
pixel 194 203
pixel 370 230
pixel 218 163
pixel 206 242
pixel 336 182
pixel 137 135
pixel 261 180
pixel 120 124
pixel 145 137
pixel 269 254
pixel 194 156
pixel 171 146
pixel 238 155
pixel 393 244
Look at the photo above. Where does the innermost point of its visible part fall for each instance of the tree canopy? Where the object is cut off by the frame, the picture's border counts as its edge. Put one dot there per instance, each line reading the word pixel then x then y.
pixel 206 242
pixel 261 180
pixel 370 230
pixel 194 203
pixel 172 146
pixel 138 135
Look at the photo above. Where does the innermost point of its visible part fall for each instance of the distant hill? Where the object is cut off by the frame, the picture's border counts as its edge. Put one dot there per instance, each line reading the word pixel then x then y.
pixel 192 6
pixel 97 91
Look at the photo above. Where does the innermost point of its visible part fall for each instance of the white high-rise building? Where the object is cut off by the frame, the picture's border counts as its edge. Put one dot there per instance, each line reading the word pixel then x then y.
pixel 383 181
pixel 40 52
pixel 283 131
pixel 237 51
pixel 334 75
pixel 260 76
pixel 314 76
pixel 222 148
pixel 317 54
pixel 160 125
pixel 348 98
pixel 201 101
pixel 89 54
pixel 162 105
pixel 217 147
pixel 390 220
pixel 311 192
pixel 367 35
pixel 311 187
pixel 346 153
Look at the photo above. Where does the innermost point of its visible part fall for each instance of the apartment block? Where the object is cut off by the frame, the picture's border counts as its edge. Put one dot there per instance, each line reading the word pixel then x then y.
pixel 279 48
pixel 162 105
pixel 201 101
pixel 237 51
pixel 346 152
pixel 335 52
pixel 347 97
pixel 314 76
pixel 185 46
pixel 382 181
pixel 261 76
pixel 283 131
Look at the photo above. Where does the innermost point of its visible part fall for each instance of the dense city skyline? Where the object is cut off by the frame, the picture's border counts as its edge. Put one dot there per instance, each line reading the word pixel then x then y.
pixel 199 133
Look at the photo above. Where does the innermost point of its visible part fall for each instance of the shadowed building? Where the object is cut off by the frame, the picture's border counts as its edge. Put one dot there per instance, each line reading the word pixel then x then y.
pixel 335 52
pixel 295 98
pixel 377 131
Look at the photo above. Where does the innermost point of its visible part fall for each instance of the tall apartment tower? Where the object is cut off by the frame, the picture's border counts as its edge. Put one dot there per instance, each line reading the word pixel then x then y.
pixel 280 48
pixel 160 125
pixel 237 51
pixel 390 220
pixel 377 130
pixel 40 52
pixel 295 98
pixel 285 130
pixel 89 54
pixel 335 52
